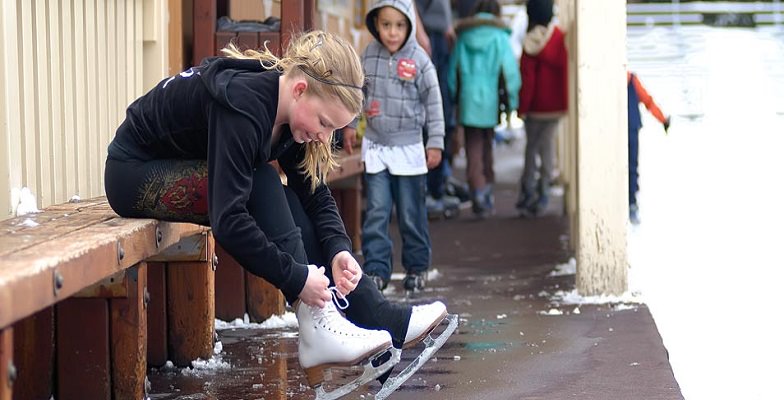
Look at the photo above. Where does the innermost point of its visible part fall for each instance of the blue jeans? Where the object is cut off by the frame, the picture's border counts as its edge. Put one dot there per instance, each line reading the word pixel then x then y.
pixel 407 193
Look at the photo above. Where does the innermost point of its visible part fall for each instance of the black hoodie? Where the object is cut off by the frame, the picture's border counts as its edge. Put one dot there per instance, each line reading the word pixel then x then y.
pixel 223 111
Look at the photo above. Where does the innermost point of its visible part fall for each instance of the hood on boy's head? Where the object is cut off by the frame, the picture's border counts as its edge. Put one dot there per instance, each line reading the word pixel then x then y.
pixel 404 6
pixel 540 12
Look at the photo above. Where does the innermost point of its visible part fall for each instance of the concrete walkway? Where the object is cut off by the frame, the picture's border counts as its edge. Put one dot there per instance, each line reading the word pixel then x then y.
pixel 495 273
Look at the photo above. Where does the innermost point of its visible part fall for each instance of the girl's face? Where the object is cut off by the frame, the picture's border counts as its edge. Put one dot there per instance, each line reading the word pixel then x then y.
pixel 392 27
pixel 314 119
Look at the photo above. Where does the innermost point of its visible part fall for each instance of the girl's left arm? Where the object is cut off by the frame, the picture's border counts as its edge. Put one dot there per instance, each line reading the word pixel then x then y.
pixel 319 205
pixel 430 96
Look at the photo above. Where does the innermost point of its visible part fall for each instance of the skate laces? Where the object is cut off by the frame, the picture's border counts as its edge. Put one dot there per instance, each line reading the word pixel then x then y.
pixel 330 318
pixel 337 297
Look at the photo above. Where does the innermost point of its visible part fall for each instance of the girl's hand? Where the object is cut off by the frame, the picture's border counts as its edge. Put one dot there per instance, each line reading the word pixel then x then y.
pixel 315 292
pixel 346 272
pixel 433 157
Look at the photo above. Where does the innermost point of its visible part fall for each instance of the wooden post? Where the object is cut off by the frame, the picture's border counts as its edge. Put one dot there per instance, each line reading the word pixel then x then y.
pixel 129 336
pixel 83 349
pixel 157 343
pixel 204 25
pixel 34 355
pixel 292 20
pixel 7 369
pixel 229 287
pixel 264 300
pixel 190 287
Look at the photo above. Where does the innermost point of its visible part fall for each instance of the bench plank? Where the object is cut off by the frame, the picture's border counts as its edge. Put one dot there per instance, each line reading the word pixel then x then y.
pixel 28 277
pixel 29 230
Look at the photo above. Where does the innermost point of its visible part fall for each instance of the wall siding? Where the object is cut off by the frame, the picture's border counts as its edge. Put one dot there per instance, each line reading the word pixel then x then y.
pixel 69 70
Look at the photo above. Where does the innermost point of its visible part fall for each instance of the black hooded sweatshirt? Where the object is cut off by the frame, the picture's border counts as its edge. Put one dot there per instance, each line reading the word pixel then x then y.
pixel 223 111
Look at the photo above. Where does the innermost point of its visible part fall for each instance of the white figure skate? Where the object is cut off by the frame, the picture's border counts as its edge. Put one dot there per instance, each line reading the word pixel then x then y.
pixel 327 339
pixel 424 319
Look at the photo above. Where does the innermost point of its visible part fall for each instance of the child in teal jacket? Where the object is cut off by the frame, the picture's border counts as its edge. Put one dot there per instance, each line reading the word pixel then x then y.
pixel 482 58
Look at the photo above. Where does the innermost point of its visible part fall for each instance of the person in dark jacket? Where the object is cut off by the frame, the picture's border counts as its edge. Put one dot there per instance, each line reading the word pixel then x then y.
pixel 197 148
pixel 543 102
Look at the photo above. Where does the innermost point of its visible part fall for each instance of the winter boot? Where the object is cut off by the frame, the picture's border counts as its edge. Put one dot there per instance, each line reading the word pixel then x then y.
pixel 415 281
pixel 378 281
pixel 327 339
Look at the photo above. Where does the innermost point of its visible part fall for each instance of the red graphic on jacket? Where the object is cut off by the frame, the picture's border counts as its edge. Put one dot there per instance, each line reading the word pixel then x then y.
pixel 374 109
pixel 187 195
pixel 406 69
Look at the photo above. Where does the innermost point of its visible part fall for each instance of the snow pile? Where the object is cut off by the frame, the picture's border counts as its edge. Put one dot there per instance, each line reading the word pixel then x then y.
pixel 287 320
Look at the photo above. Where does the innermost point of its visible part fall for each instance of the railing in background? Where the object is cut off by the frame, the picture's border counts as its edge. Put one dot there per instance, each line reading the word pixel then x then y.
pixel 709 13
pixel 69 70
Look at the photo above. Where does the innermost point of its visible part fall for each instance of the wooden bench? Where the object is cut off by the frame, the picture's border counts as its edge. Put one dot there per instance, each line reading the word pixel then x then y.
pixel 78 298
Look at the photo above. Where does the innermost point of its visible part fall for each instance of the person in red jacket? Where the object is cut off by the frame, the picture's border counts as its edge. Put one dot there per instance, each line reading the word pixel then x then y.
pixel 637 94
pixel 543 101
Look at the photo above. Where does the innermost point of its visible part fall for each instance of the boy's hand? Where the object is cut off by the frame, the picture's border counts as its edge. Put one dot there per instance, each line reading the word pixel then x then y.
pixel 349 139
pixel 433 157
pixel 315 292
pixel 346 272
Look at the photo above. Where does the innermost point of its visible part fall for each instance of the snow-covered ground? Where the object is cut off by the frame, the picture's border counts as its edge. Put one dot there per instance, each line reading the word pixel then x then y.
pixel 707 255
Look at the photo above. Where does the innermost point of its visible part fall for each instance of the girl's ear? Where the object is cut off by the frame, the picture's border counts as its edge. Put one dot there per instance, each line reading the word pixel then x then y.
pixel 299 88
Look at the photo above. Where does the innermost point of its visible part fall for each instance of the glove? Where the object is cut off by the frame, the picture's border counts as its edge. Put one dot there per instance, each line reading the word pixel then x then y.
pixel 666 124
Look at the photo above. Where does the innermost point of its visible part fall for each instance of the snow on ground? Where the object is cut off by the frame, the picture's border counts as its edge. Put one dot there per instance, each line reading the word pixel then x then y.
pixel 706 255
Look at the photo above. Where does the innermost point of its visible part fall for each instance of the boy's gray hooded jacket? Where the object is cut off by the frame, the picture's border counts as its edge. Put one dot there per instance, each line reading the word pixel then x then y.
pixel 402 88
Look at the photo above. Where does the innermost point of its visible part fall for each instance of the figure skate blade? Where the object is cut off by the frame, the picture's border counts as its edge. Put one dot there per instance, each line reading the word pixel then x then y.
pixel 431 346
pixel 369 374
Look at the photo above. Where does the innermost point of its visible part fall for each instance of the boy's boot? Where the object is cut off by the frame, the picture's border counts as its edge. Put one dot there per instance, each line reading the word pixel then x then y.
pixel 415 280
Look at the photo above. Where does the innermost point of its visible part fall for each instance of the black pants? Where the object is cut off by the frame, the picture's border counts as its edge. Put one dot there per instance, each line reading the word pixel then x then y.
pixel 176 190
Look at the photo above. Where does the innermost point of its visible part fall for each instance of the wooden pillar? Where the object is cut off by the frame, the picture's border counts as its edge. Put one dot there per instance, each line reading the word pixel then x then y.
pixel 264 300
pixel 205 22
pixel 229 287
pixel 129 336
pixel 157 340
pixel 34 356
pixel 190 287
pixel 601 136
pixel 292 20
pixel 7 368
pixel 83 349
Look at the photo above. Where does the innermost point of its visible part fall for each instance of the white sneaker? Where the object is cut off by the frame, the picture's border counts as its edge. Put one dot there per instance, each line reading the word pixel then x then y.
pixel 327 338
pixel 424 319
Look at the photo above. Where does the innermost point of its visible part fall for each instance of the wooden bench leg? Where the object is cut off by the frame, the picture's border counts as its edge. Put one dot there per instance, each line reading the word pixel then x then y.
pixel 34 356
pixel 238 291
pixel 7 368
pixel 157 352
pixel 264 299
pixel 229 287
pixel 191 310
pixel 83 349
pixel 129 337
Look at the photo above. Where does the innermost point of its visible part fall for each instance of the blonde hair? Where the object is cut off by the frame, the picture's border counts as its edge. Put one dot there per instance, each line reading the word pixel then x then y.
pixel 333 71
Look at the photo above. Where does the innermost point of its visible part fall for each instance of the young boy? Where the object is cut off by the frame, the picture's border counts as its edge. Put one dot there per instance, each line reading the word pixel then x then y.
pixel 402 97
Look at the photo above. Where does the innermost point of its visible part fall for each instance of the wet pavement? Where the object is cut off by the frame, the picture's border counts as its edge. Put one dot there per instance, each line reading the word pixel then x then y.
pixel 515 339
